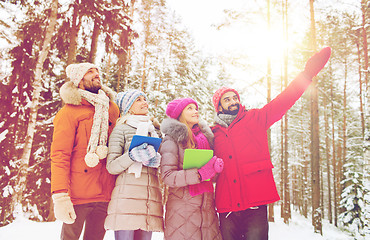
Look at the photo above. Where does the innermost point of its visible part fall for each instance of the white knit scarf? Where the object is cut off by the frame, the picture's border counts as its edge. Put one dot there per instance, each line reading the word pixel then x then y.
pixel 143 126
pixel 97 147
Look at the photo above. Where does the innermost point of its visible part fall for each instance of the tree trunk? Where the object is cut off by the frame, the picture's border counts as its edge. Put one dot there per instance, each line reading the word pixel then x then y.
pixel 147 32
pixel 327 151
pixel 344 129
pixel 287 213
pixel 304 177
pixel 108 65
pixel 94 42
pixel 360 85
pixel 71 54
pixel 315 139
pixel 339 175
pixel 282 163
pixel 322 190
pixel 20 188
pixel 364 11
pixel 295 187
pixel 268 78
pixel 122 57
pixel 305 189
pixel 129 49
pixel 335 192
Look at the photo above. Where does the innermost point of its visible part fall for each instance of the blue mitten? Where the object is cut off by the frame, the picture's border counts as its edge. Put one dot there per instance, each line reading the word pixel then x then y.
pixel 153 162
pixel 142 153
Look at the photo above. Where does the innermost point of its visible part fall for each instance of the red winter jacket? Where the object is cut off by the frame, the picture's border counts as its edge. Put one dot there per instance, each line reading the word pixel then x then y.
pixel 247 179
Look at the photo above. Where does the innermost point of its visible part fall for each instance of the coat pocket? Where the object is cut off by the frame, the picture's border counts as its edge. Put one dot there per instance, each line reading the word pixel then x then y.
pixel 258 166
pixel 258 183
pixel 85 181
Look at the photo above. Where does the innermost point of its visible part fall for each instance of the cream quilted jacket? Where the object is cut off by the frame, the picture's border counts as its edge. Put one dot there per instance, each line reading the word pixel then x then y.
pixel 136 202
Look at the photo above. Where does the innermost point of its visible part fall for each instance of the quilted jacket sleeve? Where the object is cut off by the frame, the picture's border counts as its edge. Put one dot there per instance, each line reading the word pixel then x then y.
pixel 171 166
pixel 275 110
pixel 65 126
pixel 118 159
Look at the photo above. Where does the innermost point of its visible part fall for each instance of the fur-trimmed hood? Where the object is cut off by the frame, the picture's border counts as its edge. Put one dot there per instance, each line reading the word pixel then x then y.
pixel 70 95
pixel 178 131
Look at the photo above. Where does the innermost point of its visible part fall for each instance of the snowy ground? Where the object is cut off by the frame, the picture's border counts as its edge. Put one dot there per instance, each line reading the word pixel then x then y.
pixel 299 228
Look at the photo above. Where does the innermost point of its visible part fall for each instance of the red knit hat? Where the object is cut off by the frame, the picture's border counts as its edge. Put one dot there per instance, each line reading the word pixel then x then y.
pixel 218 94
pixel 175 107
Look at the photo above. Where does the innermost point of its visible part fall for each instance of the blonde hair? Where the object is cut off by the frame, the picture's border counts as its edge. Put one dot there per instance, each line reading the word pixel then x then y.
pixel 190 142
pixel 123 119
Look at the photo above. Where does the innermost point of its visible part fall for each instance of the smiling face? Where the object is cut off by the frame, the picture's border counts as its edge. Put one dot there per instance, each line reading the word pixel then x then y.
pixel 229 103
pixel 91 81
pixel 140 106
pixel 190 115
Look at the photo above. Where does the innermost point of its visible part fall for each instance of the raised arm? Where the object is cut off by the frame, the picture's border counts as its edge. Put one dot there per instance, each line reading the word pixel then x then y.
pixel 275 110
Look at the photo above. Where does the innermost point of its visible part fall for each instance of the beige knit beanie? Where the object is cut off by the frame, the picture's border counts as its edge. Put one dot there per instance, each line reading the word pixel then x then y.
pixel 75 72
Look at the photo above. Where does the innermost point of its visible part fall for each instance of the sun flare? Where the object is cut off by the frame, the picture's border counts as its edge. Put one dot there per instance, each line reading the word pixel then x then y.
pixel 258 42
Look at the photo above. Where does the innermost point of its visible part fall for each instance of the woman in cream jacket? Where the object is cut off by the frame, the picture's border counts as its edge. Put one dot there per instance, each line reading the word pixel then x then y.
pixel 135 210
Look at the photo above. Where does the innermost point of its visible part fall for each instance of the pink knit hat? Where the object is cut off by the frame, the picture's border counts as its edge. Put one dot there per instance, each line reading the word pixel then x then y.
pixel 218 94
pixel 175 107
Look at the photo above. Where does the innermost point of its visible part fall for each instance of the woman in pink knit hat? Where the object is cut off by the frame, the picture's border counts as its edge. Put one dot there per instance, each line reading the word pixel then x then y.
pixel 190 209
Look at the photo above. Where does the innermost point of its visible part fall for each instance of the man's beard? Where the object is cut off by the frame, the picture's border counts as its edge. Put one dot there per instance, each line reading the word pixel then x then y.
pixel 231 112
pixel 93 89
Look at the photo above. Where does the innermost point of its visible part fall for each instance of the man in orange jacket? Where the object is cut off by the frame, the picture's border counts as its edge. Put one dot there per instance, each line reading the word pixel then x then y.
pixel 80 183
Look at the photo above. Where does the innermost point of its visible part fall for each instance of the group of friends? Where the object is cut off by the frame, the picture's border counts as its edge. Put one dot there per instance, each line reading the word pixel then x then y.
pixel 99 184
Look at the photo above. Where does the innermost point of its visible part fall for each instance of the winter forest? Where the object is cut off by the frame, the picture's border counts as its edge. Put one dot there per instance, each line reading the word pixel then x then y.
pixel 320 149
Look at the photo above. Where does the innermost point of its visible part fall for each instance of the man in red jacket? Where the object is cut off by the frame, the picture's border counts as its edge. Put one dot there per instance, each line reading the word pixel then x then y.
pixel 247 185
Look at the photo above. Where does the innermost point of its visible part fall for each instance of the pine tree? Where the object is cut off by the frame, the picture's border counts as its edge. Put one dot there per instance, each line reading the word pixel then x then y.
pixel 16 95
pixel 22 176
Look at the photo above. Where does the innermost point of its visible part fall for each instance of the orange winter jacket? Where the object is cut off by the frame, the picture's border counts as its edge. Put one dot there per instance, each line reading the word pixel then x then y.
pixel 72 129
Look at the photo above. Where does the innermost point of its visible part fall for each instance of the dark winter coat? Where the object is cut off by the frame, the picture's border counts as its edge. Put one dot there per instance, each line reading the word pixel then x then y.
pixel 72 130
pixel 247 180
pixel 186 217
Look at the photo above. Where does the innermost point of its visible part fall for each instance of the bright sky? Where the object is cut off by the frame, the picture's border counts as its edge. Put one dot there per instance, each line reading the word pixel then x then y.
pixel 200 16
pixel 243 45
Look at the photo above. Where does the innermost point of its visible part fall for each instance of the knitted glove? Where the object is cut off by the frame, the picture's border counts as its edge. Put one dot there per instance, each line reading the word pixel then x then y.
pixel 317 62
pixel 153 162
pixel 219 165
pixel 142 153
pixel 63 208
pixel 208 171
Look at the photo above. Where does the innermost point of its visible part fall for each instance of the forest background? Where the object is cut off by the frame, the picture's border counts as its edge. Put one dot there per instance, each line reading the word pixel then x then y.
pixel 320 149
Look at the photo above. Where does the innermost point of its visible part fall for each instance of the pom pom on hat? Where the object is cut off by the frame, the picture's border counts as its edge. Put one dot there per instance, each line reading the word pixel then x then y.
pixel 218 94
pixel 175 107
pixel 125 100
pixel 75 72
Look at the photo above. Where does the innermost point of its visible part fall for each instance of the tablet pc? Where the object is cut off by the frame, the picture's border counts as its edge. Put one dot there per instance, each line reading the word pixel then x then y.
pixel 196 158
pixel 138 140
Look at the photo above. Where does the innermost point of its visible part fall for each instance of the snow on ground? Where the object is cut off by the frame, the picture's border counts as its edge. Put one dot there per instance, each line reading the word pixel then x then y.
pixel 299 228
